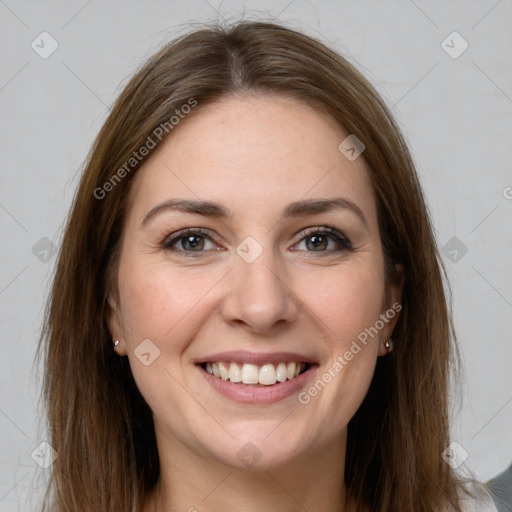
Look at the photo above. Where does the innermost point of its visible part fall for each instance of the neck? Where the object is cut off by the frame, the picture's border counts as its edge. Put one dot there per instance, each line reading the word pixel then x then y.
pixel 193 483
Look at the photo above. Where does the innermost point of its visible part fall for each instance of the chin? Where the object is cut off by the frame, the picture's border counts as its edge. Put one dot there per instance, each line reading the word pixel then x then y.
pixel 258 449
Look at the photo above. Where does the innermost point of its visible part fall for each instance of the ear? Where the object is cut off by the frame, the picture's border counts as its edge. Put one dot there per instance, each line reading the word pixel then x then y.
pixel 112 317
pixel 392 305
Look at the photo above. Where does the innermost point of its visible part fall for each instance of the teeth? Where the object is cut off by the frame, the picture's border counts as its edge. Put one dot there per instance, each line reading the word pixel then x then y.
pixel 290 370
pixel 234 373
pixel 224 371
pixel 250 374
pixel 281 373
pixel 266 375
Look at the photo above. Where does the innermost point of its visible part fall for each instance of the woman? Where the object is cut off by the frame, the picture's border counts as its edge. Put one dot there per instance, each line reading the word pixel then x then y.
pixel 248 310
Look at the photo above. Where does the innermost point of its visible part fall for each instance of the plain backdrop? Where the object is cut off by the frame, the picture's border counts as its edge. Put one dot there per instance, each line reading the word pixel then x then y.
pixel 453 103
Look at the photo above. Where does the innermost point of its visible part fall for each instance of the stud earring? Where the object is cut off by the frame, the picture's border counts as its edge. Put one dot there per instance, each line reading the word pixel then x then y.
pixel 116 343
pixel 388 343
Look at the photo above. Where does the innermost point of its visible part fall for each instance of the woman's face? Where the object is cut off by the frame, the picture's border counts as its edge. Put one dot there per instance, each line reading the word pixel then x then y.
pixel 281 272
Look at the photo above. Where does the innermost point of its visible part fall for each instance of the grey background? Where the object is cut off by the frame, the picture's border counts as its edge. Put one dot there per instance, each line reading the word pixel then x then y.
pixel 456 114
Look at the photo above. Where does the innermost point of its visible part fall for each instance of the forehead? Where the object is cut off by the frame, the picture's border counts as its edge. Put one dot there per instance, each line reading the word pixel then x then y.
pixel 253 150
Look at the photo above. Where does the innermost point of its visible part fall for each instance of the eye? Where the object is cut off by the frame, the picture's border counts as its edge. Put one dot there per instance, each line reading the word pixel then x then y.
pixel 325 239
pixel 189 240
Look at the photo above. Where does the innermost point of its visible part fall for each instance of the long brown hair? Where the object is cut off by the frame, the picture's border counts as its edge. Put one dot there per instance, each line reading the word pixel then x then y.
pixel 100 425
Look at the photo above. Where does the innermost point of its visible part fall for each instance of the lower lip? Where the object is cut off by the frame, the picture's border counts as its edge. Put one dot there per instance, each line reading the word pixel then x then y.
pixel 258 394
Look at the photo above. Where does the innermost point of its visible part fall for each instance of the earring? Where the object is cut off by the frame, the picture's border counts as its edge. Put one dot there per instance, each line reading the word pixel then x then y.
pixel 116 343
pixel 388 343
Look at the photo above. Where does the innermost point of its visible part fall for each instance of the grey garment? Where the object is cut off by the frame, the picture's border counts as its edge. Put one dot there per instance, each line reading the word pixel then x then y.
pixel 501 490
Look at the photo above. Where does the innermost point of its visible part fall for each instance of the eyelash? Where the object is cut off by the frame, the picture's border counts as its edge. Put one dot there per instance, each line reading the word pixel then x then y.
pixel 341 240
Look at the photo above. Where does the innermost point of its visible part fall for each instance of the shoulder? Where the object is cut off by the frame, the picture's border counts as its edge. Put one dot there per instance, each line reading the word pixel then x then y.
pixel 501 488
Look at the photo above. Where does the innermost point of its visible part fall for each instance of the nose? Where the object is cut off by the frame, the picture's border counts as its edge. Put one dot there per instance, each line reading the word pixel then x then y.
pixel 260 295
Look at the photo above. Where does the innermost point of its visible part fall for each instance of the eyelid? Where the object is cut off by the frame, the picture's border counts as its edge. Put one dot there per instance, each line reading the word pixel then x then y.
pixel 342 241
pixel 339 237
pixel 319 229
pixel 174 237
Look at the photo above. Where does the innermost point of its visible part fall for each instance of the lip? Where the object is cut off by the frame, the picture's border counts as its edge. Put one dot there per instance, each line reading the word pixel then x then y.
pixel 241 356
pixel 258 394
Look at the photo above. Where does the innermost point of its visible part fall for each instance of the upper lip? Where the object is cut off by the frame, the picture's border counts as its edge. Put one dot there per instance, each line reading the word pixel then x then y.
pixel 259 358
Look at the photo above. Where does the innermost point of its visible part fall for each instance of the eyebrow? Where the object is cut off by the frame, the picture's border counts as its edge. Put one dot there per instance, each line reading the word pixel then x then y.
pixel 211 209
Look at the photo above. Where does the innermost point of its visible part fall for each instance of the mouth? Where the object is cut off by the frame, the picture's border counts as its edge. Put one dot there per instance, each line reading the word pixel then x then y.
pixel 247 377
pixel 267 374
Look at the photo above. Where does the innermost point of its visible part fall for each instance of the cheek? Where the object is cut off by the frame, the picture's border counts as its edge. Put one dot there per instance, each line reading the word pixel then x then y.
pixel 345 313
pixel 155 301
pixel 346 301
pixel 157 305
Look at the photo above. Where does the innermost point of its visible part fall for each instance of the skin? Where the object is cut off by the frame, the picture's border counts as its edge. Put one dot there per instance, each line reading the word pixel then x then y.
pixel 255 155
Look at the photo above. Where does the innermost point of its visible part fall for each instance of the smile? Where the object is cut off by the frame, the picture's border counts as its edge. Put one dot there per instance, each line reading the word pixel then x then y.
pixel 247 373
pixel 255 377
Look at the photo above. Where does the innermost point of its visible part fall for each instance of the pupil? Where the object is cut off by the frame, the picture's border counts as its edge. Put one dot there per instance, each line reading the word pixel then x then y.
pixel 317 240
pixel 194 241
